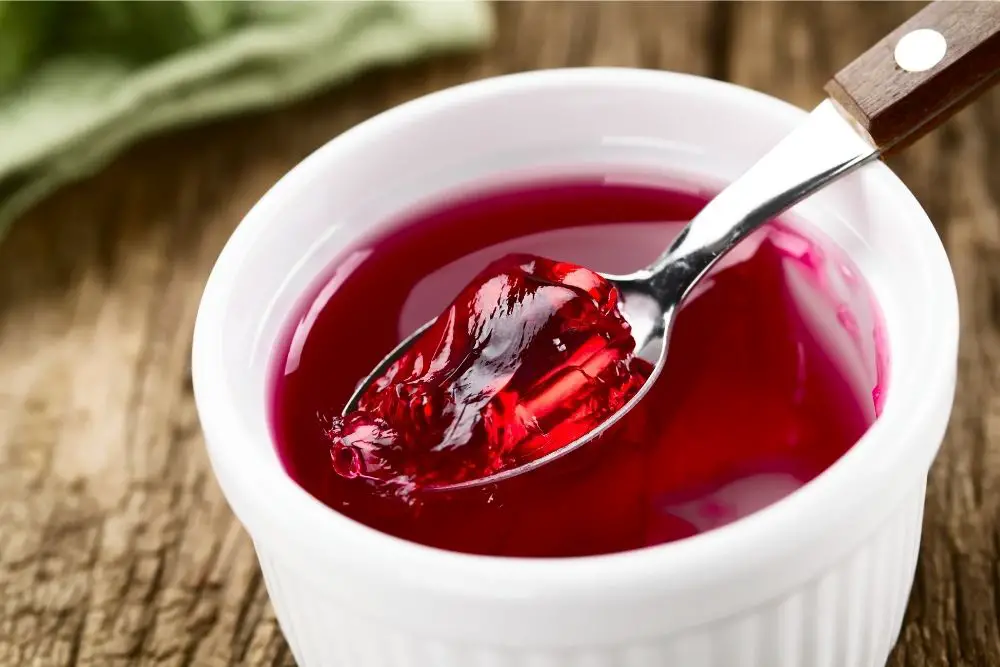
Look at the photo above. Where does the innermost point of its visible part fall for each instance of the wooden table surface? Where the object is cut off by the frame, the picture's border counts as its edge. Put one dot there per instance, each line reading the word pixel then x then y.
pixel 116 547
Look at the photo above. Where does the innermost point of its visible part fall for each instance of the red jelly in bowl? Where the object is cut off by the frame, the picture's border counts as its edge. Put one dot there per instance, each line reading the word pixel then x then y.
pixel 773 373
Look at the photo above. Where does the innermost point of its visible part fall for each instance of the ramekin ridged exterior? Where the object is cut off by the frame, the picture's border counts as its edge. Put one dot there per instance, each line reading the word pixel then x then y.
pixel 818 579
pixel 848 616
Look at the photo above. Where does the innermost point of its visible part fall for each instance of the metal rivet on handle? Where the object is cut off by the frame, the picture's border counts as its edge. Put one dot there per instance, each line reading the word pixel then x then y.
pixel 920 50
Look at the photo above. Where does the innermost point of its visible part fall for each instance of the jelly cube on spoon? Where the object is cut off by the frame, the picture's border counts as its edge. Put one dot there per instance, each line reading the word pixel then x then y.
pixel 531 355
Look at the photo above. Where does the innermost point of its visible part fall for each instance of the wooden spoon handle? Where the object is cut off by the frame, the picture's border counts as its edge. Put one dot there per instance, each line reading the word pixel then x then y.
pixel 922 72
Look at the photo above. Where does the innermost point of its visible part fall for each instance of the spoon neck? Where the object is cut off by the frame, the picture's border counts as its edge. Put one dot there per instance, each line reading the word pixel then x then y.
pixel 822 149
pixel 669 279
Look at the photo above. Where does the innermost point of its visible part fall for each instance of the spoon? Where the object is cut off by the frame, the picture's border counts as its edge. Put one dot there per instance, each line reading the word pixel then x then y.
pixel 897 91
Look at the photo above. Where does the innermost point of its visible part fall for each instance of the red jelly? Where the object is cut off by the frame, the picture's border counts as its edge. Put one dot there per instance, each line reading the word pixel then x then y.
pixel 773 373
pixel 530 356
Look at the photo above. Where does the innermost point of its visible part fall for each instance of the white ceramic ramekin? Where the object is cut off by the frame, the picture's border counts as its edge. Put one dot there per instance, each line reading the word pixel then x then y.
pixel 819 579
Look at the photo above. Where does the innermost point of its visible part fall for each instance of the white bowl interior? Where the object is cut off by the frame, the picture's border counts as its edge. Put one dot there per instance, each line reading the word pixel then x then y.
pixel 556 123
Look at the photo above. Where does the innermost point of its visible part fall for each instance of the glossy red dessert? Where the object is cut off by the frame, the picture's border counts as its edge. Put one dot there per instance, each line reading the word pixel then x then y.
pixel 773 373
pixel 530 356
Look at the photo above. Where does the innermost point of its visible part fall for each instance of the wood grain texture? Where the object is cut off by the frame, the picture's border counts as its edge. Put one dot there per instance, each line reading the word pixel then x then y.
pixel 116 547
pixel 897 107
